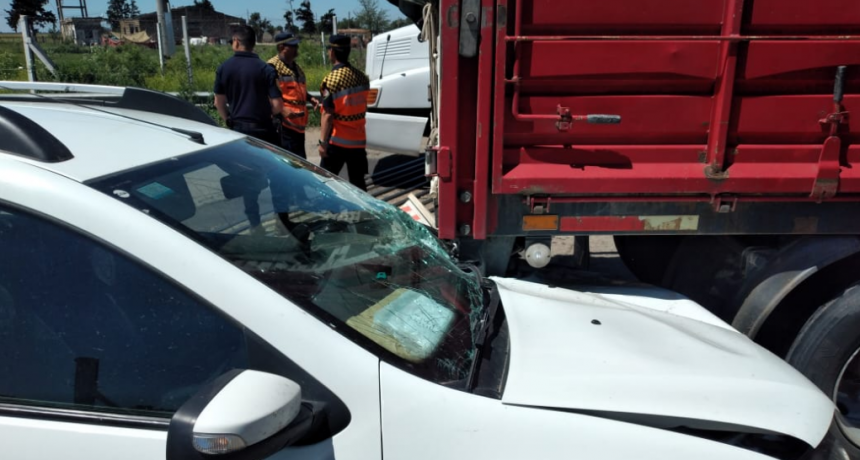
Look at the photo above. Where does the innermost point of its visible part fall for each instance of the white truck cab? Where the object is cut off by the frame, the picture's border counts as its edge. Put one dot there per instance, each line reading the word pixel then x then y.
pixel 399 102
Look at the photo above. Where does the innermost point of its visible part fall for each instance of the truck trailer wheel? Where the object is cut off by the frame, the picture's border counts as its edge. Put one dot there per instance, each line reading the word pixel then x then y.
pixel 826 352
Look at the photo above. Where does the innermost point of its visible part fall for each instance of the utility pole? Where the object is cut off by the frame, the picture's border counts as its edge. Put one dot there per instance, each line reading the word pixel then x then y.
pixel 187 52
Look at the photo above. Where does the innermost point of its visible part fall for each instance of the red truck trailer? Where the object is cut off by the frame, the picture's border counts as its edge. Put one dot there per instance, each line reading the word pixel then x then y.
pixel 713 138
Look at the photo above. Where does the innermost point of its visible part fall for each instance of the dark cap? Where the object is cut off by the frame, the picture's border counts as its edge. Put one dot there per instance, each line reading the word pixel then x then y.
pixel 286 38
pixel 339 41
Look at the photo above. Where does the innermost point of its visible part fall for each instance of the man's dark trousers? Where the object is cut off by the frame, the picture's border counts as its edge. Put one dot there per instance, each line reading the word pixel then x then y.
pixel 355 160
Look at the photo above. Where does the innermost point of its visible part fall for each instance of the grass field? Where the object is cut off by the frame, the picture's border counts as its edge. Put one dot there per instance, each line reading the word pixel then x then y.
pixel 133 65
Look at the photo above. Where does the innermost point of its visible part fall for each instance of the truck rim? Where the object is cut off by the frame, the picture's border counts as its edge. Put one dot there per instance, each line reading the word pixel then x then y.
pixel 847 398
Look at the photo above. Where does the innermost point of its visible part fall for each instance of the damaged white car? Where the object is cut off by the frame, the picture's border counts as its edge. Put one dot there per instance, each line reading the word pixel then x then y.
pixel 173 290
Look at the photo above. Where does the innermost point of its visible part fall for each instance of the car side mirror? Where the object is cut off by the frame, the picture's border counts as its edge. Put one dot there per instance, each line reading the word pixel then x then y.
pixel 242 415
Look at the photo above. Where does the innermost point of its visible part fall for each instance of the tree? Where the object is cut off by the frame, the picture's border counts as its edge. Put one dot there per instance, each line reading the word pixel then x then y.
pixel 288 17
pixel 34 9
pixel 205 4
pixel 255 22
pixel 306 15
pixel 400 22
pixel 121 9
pixel 132 11
pixel 327 22
pixel 115 11
pixel 348 23
pixel 372 17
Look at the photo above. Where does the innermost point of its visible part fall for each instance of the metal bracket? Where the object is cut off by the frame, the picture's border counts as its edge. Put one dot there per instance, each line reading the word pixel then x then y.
pixel 827 180
pixel 564 119
pixel 470 23
pixel 444 163
pixel 725 205
pixel 538 205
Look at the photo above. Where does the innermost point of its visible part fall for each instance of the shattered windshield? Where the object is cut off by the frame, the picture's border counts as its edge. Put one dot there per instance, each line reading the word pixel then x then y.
pixel 355 262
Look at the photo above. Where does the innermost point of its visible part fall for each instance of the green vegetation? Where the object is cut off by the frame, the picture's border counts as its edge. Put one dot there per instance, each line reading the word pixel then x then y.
pixel 133 65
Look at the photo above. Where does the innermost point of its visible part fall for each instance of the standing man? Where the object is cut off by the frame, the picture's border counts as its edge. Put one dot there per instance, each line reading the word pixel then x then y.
pixel 294 90
pixel 249 86
pixel 344 92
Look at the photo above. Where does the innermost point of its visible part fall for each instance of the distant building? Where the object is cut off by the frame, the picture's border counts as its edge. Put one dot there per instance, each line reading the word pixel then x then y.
pixel 202 22
pixel 129 26
pixel 82 31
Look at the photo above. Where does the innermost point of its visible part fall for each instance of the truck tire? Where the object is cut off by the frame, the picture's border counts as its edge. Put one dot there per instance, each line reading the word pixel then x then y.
pixel 826 352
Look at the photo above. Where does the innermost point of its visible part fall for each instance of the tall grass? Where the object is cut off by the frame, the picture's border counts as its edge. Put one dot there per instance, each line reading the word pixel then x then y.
pixel 132 65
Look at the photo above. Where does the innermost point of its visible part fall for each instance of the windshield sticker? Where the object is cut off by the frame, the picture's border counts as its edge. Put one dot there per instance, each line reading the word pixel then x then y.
pixel 121 193
pixel 155 191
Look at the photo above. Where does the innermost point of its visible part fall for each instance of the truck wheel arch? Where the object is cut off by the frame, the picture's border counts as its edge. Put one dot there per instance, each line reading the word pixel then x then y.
pixel 767 292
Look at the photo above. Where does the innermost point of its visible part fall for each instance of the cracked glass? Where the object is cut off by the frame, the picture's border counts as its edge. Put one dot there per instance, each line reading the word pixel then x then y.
pixel 361 265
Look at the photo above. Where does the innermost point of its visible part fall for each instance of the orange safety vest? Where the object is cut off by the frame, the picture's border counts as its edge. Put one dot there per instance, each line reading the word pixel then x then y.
pixel 294 91
pixel 348 88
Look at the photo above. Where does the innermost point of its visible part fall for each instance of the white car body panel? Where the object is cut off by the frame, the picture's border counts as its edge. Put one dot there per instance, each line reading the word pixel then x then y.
pixel 119 139
pixel 561 359
pixel 453 424
pixel 308 342
pixel 395 133
pixel 28 439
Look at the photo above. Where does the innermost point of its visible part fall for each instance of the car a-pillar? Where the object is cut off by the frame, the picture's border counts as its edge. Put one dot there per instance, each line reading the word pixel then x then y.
pixel 799 297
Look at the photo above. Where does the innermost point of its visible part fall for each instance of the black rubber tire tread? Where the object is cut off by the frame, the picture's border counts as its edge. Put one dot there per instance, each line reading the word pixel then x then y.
pixel 820 351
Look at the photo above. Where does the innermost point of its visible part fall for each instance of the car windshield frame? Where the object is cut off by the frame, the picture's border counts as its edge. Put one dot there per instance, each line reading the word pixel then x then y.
pixel 359 264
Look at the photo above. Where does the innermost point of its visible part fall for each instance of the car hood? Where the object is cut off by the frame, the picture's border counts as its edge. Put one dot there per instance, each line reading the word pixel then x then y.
pixel 641 358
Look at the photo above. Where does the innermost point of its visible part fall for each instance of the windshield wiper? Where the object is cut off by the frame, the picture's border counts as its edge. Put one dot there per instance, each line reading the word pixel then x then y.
pixel 482 330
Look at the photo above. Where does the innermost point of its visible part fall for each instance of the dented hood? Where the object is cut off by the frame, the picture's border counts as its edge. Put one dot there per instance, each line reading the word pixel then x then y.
pixel 650 359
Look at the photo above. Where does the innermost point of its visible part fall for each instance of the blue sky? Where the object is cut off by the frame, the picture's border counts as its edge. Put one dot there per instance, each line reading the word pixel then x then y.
pixel 271 9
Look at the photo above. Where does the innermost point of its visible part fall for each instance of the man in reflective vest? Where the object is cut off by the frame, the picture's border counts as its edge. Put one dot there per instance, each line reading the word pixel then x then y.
pixel 344 93
pixel 294 91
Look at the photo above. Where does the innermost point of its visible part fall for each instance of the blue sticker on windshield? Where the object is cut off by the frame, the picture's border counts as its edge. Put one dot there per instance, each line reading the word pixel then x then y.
pixel 155 191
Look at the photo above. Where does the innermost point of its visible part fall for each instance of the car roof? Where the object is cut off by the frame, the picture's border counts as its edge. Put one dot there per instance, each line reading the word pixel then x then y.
pixel 111 139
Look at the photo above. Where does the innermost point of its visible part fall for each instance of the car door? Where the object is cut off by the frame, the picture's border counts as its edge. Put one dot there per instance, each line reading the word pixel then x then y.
pixel 100 348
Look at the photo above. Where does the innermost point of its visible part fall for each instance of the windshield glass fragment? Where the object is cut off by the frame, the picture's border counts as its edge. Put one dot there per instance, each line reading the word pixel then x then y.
pixel 355 262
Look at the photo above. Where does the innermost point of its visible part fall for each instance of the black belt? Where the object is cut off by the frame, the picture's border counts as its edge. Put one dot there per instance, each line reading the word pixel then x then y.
pixel 252 126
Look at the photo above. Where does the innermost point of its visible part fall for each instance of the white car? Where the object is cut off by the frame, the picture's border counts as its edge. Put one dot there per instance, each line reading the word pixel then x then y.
pixel 170 289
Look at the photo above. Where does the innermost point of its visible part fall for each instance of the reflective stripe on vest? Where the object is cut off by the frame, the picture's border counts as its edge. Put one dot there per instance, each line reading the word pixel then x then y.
pixel 350 107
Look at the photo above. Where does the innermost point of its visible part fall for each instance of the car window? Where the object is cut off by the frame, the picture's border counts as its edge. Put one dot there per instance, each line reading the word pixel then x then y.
pixel 85 327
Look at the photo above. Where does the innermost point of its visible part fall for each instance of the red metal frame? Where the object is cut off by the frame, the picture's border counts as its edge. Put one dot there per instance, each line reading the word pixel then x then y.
pixel 485 105
pixel 719 98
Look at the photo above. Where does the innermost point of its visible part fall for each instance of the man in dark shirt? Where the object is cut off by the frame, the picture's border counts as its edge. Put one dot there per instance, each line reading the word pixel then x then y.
pixel 249 87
